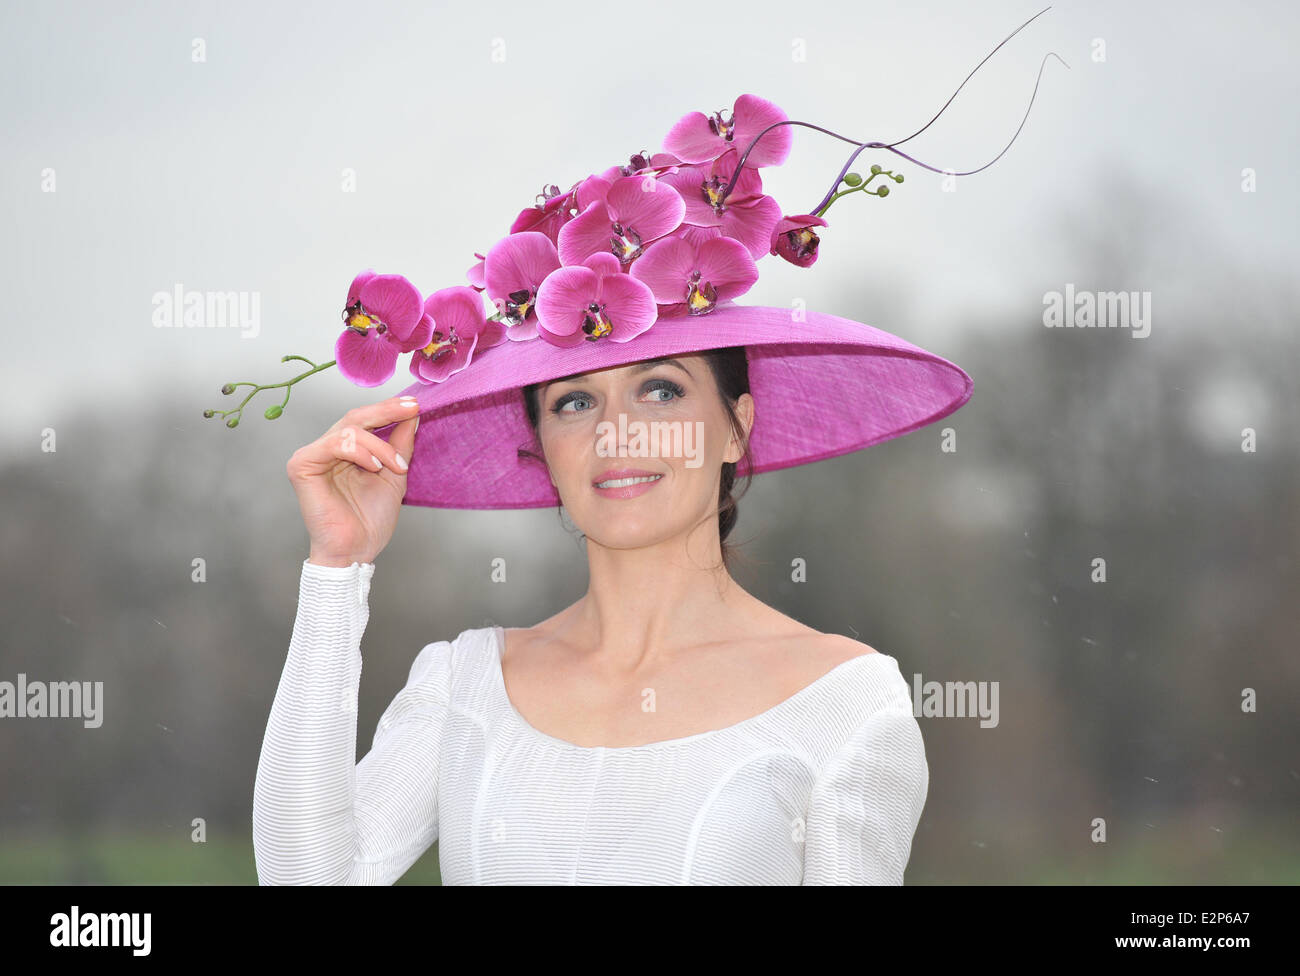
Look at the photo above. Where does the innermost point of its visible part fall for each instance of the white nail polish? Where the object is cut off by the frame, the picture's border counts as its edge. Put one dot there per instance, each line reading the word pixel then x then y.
pixel 401 462
pixel 374 460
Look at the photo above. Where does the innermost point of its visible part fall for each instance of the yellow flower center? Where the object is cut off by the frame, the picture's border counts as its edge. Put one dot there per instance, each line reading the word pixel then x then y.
pixel 439 346
pixel 595 323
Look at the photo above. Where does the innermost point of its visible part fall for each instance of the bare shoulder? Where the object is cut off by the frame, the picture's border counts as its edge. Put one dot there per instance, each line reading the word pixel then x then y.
pixel 825 650
pixel 839 648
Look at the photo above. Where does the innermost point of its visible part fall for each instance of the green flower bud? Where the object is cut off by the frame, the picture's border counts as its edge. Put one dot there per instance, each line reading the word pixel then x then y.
pixel 875 169
pixel 228 389
pixel 209 412
pixel 882 191
pixel 853 179
pixel 232 422
pixel 898 178
pixel 273 412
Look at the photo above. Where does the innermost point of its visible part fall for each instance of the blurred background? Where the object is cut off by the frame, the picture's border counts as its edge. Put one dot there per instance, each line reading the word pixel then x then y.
pixel 277 150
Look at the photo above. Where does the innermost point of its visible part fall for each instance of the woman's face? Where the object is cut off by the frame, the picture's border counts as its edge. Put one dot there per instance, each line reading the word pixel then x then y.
pixel 660 422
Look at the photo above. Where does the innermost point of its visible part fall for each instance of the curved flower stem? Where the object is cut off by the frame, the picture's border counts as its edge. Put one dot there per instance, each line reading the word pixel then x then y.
pixel 889 146
pixel 271 412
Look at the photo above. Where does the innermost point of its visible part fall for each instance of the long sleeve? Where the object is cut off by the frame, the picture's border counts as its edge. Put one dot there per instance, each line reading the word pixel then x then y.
pixel 319 817
pixel 867 801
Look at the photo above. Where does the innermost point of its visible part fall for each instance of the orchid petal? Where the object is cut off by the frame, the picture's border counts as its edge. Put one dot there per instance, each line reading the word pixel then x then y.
pixel 728 265
pixel 420 336
pixel 649 206
pixel 692 139
pixel 586 234
pixel 395 301
pixel 561 299
pixel 629 304
pixel 751 116
pixel 519 261
pixel 458 308
pixel 365 360
pixel 590 190
pixel 751 223
pixel 475 274
pixel 665 267
pixel 354 289
pixel 438 369
pixel 494 333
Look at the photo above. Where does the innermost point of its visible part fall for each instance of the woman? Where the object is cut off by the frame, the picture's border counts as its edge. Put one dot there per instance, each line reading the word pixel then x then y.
pixel 770 753
pixel 668 727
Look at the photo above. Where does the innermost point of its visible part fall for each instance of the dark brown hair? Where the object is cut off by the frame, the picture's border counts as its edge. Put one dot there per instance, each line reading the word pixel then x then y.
pixel 730 369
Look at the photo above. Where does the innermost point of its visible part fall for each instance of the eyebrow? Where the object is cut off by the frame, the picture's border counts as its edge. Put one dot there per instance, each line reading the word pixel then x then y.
pixel 636 368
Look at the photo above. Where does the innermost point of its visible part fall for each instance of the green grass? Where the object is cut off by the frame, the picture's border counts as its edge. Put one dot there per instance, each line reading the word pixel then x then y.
pixel 1264 852
pixel 129 859
pixel 1170 850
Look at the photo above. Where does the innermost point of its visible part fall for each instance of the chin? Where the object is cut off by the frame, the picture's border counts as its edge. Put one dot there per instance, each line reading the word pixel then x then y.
pixel 628 531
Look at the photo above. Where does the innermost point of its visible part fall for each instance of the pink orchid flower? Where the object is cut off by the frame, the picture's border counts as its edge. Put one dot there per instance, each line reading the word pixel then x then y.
pixel 640 164
pixel 384 317
pixel 514 269
pixel 747 215
pixel 460 328
pixel 554 210
pixel 700 138
pixel 593 301
pixel 475 273
pixel 620 218
pixel 793 238
pixel 697 275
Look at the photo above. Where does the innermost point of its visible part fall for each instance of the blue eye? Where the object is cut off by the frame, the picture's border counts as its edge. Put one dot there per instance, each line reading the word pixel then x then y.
pixel 655 386
pixel 665 386
pixel 568 398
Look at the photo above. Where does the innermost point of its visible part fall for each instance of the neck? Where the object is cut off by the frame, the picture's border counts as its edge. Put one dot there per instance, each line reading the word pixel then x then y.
pixel 644 604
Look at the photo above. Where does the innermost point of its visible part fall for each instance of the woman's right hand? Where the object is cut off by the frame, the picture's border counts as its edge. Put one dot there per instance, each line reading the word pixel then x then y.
pixel 350 482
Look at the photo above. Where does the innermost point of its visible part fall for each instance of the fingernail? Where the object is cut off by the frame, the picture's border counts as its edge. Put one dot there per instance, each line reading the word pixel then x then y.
pixel 375 461
pixel 401 462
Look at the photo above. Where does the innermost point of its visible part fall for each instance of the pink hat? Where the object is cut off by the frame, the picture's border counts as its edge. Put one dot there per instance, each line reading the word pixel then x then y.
pixel 642 261
pixel 853 385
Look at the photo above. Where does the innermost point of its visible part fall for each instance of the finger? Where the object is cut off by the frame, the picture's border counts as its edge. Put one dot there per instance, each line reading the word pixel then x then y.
pixel 402 438
pixel 376 453
pixel 379 414
pixel 346 443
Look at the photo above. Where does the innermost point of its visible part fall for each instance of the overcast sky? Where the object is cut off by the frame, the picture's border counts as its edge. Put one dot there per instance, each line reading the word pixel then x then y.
pixel 226 173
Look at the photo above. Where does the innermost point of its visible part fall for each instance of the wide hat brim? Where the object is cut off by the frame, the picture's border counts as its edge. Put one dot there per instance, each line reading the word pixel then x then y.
pixel 822 386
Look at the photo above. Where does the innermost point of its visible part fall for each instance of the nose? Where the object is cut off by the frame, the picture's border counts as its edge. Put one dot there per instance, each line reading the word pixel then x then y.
pixel 610 438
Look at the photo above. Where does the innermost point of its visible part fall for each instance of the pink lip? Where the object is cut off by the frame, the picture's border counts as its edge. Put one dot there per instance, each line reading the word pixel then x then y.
pixel 627 491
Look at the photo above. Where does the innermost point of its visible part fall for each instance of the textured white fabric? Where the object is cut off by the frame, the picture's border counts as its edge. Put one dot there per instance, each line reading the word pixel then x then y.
pixel 827 787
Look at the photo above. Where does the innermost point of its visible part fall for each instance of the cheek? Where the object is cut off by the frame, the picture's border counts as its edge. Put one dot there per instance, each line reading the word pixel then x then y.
pixel 694 446
pixel 566 447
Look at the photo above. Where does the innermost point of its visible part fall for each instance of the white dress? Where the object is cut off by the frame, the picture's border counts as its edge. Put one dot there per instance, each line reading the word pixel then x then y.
pixel 824 788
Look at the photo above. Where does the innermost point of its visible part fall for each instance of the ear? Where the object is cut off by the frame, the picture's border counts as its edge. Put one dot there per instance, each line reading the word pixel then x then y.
pixel 745 413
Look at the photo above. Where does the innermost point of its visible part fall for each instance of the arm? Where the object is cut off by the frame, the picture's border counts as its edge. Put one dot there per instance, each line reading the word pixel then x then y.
pixel 318 818
pixel 865 804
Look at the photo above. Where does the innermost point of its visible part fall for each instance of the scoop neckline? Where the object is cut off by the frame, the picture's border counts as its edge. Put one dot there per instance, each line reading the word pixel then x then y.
pixel 517 717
